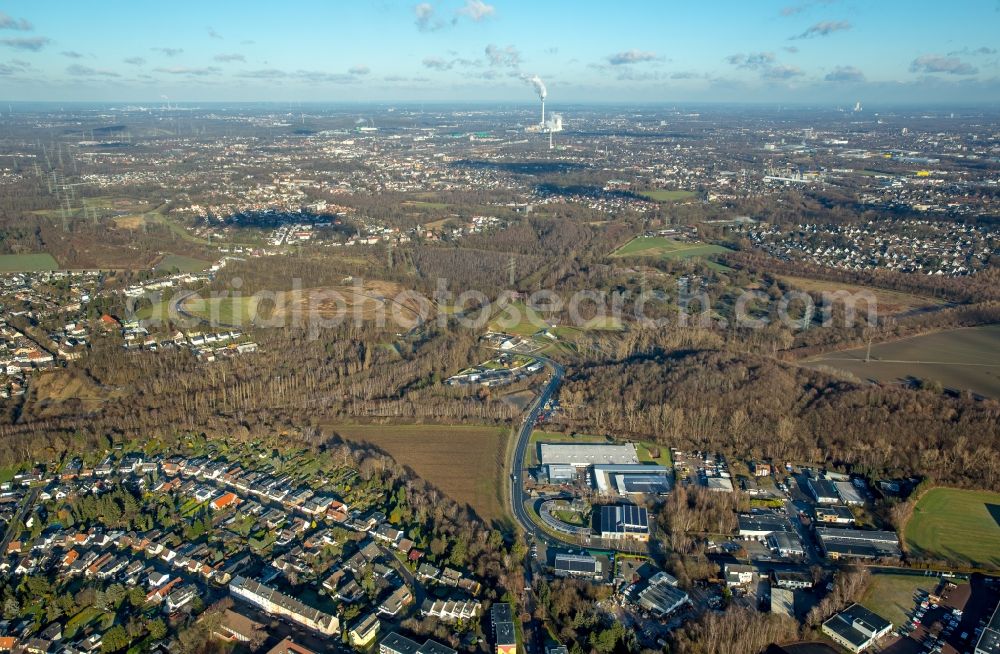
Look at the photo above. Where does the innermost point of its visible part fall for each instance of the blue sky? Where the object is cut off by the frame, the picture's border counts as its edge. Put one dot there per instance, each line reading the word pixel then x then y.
pixel 830 51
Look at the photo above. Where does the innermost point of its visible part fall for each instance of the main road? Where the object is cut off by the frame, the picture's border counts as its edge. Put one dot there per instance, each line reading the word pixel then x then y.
pixel 517 494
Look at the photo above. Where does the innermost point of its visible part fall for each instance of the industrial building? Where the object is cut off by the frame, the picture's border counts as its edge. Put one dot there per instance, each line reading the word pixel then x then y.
pixel 823 491
pixel 858 544
pixel 576 565
pixel 662 597
pixel 560 472
pixel 785 544
pixel 626 521
pixel 989 641
pixel 632 479
pixel 856 628
pixel 848 494
pixel 834 515
pixel 761 524
pixel 583 455
pixel 791 580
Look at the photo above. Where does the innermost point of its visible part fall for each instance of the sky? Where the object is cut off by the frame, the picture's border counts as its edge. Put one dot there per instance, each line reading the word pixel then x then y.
pixel 783 51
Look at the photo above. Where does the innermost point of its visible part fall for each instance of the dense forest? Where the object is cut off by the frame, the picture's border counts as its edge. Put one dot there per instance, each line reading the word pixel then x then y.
pixel 746 405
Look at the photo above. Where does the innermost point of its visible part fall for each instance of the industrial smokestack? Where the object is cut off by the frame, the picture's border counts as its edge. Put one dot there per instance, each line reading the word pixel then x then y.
pixel 539 85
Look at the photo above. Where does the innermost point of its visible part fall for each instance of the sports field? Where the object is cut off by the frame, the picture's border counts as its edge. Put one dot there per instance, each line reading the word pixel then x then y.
pixel 960 526
pixel 27 262
pixel 959 359
pixel 665 195
pixel 659 246
pixel 465 461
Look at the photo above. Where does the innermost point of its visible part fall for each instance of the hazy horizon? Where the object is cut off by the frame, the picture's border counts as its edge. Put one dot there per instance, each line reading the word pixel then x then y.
pixel 778 51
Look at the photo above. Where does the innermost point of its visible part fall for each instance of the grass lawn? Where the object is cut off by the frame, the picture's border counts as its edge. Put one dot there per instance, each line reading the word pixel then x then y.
pixel 665 195
pixel 7 473
pixel 517 318
pixel 569 517
pixel 81 620
pixel 645 456
pixel 182 263
pixel 27 262
pixel 223 310
pixel 961 526
pixel 891 596
pixel 465 461
pixel 666 248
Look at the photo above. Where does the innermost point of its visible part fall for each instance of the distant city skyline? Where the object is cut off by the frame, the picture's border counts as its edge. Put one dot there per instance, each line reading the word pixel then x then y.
pixel 817 51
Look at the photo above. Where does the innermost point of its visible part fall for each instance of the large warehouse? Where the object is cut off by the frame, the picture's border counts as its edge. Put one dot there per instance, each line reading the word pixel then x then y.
pixel 632 479
pixel 582 455
pixel 626 521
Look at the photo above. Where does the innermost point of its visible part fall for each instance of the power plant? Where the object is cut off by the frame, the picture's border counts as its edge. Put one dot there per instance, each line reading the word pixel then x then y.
pixel 554 123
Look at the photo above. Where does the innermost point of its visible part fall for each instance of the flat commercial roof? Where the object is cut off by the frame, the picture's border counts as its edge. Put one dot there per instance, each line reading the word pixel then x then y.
pixel 764 523
pixel 848 493
pixel 631 477
pixel 624 519
pixel 582 455
pixel 628 484
pixel 577 563
pixel 989 641
pixel 400 644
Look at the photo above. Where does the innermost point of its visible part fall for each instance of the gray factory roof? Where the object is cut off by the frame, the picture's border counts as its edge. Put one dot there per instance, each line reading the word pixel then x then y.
pixel 588 454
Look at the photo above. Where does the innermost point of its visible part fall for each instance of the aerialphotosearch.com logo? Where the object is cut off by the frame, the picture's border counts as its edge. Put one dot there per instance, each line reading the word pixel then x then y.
pixel 361 304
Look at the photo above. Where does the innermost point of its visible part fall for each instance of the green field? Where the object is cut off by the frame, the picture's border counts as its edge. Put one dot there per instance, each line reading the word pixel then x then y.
pixel 645 454
pixel 183 264
pixel 960 526
pixel 891 596
pixel 666 248
pixel 665 195
pixel 223 310
pixel 959 359
pixel 517 318
pixel 27 262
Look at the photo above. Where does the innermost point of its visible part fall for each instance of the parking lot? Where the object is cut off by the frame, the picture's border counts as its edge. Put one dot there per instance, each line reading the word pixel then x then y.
pixel 948 622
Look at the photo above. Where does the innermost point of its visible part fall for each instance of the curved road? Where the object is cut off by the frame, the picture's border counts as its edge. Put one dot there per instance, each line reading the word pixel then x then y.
pixel 517 494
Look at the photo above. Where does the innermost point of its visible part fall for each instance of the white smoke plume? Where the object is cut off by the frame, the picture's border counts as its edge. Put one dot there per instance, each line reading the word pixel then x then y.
pixel 539 85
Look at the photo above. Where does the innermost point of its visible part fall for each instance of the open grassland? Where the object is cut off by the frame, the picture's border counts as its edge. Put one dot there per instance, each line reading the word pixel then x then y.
pixel 960 526
pixel 886 302
pixel 665 195
pixel 27 262
pixel 222 311
pixel 892 596
pixel 666 248
pixel 182 263
pixel 959 359
pixel 371 301
pixel 465 462
pixel 517 318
